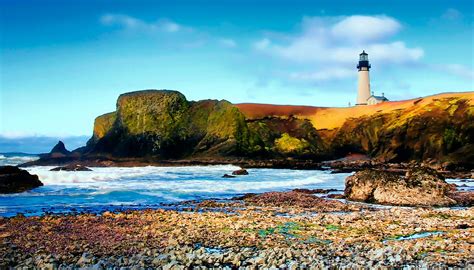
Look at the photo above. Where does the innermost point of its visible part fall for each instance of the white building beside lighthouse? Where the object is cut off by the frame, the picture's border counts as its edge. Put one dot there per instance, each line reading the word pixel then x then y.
pixel 364 95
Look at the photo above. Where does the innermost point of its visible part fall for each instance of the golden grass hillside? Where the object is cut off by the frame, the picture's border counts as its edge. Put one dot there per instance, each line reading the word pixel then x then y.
pixel 333 117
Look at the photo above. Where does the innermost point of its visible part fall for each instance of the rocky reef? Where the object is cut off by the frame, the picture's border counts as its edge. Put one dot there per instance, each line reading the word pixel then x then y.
pixel 155 126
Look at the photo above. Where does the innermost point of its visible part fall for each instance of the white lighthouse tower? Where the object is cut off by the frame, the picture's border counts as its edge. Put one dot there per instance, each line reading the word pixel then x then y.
pixel 363 89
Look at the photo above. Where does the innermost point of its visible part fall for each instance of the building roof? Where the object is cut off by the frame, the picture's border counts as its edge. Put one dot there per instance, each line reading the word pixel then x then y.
pixel 378 97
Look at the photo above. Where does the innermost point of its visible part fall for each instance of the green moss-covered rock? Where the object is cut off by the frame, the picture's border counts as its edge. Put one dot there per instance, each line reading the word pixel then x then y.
pixel 291 145
pixel 163 124
pixel 161 113
pixel 286 136
pixel 103 124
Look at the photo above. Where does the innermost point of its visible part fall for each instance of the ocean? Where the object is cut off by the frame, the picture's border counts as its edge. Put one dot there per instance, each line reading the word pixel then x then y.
pixel 121 188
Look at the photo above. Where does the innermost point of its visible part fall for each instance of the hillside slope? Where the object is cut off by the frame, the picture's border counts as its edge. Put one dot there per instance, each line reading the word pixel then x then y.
pixel 438 128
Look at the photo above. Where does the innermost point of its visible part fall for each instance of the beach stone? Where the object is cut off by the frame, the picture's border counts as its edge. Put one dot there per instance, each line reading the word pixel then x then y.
pixel 98 266
pixel 85 259
pixel 260 260
pixel 171 265
pixel 293 265
pixel 14 180
pixel 419 187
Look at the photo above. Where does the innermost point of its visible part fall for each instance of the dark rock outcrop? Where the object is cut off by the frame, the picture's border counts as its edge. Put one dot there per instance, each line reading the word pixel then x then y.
pixel 228 176
pixel 240 172
pixel 14 180
pixel 71 168
pixel 60 148
pixel 419 187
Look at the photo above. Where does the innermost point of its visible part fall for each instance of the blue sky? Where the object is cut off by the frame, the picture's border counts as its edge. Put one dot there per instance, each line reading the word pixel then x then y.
pixel 65 62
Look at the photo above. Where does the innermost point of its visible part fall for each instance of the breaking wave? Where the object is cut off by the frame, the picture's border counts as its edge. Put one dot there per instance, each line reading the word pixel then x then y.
pixel 130 187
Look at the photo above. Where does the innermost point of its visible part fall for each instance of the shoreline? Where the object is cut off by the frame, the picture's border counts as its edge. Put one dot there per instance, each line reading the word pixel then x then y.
pixel 327 233
pixel 337 166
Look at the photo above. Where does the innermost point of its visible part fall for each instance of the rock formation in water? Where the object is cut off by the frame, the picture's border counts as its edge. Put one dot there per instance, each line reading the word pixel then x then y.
pixel 60 148
pixel 14 180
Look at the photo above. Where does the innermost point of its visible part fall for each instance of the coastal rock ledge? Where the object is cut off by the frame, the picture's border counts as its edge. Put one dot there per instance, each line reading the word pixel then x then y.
pixel 418 187
pixel 15 180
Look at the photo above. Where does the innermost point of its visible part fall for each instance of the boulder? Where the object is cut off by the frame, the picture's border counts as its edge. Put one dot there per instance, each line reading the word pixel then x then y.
pixel 419 187
pixel 240 172
pixel 14 180
pixel 72 168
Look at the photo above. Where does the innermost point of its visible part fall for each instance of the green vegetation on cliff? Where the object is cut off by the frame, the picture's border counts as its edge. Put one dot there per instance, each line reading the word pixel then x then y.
pixel 163 124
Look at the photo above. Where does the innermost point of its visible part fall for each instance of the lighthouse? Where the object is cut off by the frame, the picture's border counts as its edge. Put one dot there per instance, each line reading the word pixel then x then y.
pixel 363 87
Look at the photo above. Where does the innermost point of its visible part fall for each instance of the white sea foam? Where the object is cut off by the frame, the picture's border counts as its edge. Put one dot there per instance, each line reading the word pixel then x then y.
pixel 100 174
pixel 16 159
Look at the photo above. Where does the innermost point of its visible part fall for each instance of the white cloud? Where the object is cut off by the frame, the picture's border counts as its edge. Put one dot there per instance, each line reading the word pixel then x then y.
pixel 16 134
pixel 228 42
pixel 132 23
pixel 183 36
pixel 451 14
pixel 324 74
pixel 365 28
pixel 338 41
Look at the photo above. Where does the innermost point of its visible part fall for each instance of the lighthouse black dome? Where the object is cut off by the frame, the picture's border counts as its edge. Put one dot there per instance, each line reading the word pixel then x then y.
pixel 363 61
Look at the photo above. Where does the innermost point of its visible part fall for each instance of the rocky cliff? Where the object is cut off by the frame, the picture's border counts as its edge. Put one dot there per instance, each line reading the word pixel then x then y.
pixel 435 129
pixel 163 124
pixel 441 130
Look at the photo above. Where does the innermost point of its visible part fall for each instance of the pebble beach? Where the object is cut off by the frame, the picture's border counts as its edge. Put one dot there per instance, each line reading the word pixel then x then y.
pixel 246 234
